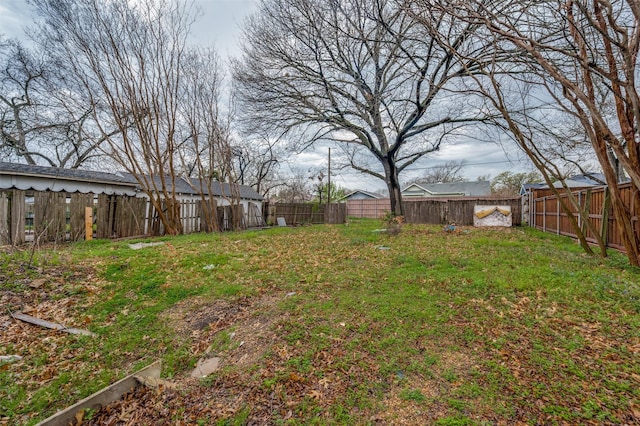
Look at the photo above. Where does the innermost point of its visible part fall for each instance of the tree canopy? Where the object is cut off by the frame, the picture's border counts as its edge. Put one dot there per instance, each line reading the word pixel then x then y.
pixel 360 73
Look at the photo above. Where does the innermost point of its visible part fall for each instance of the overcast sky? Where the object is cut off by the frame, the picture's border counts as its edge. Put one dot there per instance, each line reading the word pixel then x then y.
pixel 219 24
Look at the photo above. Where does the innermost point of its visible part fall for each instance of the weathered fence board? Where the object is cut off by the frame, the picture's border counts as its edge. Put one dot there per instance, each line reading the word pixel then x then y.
pixel 17 211
pixel 59 216
pixel 231 218
pixel 254 216
pixel 129 216
pixel 305 213
pixel 335 213
pixel 104 216
pixel 120 216
pixel 5 225
pixel 50 218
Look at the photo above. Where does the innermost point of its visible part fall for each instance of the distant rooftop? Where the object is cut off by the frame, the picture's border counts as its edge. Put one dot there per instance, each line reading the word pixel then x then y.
pixel 481 188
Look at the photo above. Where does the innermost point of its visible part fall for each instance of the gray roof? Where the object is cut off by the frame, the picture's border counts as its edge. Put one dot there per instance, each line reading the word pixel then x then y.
pixel 580 181
pixel 533 185
pixel 577 181
pixel 596 179
pixel 26 177
pixel 218 189
pixel 360 194
pixel 572 183
pixel 56 172
pixel 481 188
pixel 42 178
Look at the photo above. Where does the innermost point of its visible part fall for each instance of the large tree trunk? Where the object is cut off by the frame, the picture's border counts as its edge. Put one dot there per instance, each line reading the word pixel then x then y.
pixel 393 185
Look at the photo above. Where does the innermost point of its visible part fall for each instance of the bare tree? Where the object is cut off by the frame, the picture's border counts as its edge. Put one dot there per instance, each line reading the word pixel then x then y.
pixel 443 173
pixel 361 73
pixel 257 160
pixel 296 188
pixel 41 122
pixel 508 183
pixel 128 58
pixel 586 55
pixel 203 134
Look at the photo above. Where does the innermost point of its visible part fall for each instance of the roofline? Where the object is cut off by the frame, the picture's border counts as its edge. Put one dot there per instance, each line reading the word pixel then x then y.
pixel 61 177
pixel 195 192
pixel 362 191
pixel 414 184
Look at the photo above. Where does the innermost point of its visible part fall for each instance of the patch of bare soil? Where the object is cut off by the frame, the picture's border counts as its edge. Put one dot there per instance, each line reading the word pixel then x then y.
pixel 250 323
pixel 250 326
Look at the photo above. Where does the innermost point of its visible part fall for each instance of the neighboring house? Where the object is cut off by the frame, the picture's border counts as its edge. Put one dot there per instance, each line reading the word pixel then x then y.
pixel 40 178
pixel 577 181
pixel 360 195
pixel 455 189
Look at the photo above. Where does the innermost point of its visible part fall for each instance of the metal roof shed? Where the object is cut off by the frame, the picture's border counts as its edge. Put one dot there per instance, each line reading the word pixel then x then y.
pixel 26 177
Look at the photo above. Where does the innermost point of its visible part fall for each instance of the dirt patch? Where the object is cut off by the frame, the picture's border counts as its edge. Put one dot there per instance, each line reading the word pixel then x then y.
pixel 196 314
pixel 248 322
pixel 250 326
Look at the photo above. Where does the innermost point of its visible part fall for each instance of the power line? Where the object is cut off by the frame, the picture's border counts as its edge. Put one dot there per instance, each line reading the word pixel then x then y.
pixel 472 164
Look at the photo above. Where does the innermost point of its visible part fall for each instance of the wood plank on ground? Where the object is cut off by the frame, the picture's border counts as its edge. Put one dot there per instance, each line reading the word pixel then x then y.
pixel 103 397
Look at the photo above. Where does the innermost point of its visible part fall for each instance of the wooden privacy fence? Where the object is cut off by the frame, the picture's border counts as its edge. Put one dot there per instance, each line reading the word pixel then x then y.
pixel 119 216
pixel 306 213
pixel 59 216
pixel 438 211
pixel 368 208
pixel 456 210
pixel 546 213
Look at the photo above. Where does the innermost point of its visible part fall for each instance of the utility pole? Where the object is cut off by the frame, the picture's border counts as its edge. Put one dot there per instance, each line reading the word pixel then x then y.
pixel 329 180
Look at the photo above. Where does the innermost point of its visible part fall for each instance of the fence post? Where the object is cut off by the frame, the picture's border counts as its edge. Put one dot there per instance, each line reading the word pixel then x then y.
pixel 604 227
pixel 558 216
pixel 4 219
pixel 544 215
pixel 579 207
pixel 532 211
pixel 586 209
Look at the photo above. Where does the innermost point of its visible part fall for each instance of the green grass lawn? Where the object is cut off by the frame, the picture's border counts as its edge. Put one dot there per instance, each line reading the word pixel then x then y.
pixel 332 325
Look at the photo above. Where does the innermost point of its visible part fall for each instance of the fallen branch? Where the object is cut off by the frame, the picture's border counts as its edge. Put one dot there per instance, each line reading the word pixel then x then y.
pixel 48 324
